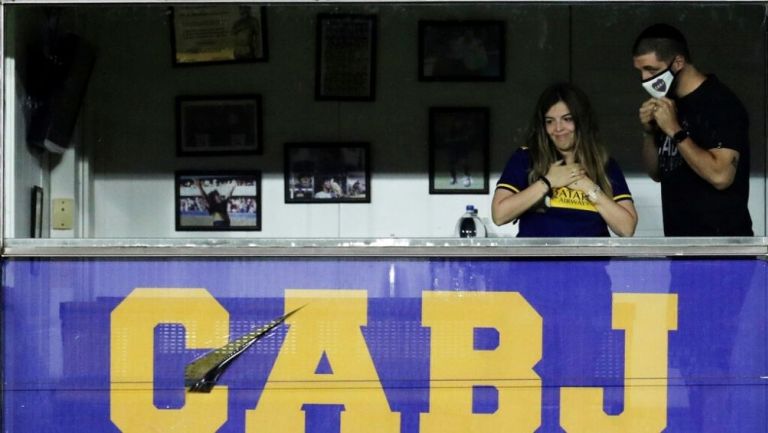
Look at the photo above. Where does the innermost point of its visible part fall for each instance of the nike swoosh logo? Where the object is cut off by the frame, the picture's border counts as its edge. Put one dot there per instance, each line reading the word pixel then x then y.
pixel 202 374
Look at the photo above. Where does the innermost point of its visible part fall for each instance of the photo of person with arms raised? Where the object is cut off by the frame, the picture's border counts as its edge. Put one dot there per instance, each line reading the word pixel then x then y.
pixel 696 139
pixel 217 204
pixel 562 182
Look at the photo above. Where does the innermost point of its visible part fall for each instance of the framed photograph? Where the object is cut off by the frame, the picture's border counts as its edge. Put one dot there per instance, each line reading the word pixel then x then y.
pixel 204 34
pixel 218 125
pixel 327 173
pixel 218 200
pixel 461 50
pixel 458 150
pixel 36 213
pixel 346 55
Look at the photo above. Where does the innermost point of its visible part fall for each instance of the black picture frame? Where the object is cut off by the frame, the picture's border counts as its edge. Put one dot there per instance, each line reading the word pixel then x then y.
pixel 462 50
pixel 327 172
pixel 459 139
pixel 345 57
pixel 240 190
pixel 218 125
pixel 218 34
pixel 36 212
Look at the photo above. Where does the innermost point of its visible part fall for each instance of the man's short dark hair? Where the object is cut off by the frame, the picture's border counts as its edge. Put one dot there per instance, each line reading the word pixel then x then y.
pixel 662 39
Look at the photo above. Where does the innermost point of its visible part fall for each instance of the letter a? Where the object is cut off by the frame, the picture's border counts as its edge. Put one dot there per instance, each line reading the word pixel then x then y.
pixel 327 325
pixel 647 320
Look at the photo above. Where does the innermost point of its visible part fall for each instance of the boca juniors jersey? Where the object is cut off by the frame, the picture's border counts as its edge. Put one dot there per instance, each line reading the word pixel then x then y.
pixel 569 213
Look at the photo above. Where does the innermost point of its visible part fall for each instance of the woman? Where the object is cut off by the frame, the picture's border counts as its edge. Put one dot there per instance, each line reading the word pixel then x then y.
pixel 563 183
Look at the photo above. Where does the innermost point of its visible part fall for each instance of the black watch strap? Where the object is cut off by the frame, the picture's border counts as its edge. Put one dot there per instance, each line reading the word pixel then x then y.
pixel 680 136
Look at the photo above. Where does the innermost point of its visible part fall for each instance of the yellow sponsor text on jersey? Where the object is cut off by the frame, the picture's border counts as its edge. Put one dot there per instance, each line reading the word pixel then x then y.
pixel 566 198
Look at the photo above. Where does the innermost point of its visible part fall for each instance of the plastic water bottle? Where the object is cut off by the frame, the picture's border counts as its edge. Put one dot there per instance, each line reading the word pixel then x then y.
pixel 470 225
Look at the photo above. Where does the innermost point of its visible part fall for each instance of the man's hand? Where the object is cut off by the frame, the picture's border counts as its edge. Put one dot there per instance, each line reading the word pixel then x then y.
pixel 646 115
pixel 664 113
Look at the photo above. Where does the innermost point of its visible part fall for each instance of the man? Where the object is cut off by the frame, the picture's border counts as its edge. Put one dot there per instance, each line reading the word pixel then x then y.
pixel 247 35
pixel 695 140
pixel 217 204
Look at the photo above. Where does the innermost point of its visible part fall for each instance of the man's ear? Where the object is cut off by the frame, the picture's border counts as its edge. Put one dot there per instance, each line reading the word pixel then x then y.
pixel 678 63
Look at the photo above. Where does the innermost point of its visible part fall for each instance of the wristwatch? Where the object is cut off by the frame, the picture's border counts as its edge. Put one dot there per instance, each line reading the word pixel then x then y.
pixel 680 136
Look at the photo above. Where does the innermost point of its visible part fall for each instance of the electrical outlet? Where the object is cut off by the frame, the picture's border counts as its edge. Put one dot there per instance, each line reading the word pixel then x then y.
pixel 62 210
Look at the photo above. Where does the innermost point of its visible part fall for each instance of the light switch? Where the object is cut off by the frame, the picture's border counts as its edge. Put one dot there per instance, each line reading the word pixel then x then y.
pixel 62 210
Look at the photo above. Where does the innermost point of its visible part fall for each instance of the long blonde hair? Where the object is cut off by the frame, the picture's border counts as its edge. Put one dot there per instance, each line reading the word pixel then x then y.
pixel 590 153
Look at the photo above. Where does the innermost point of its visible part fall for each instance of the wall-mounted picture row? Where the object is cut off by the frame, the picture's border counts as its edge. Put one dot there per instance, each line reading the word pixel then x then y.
pixel 345 52
pixel 218 34
pixel 218 125
pixel 218 200
pixel 327 173
pixel 335 172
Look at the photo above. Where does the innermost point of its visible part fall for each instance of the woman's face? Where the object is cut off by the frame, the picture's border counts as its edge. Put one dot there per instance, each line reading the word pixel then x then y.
pixel 560 127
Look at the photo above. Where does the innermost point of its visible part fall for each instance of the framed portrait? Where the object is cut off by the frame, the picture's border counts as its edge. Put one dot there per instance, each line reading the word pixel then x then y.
pixel 345 57
pixel 218 200
pixel 218 125
pixel 205 34
pixel 461 50
pixel 36 213
pixel 458 150
pixel 327 173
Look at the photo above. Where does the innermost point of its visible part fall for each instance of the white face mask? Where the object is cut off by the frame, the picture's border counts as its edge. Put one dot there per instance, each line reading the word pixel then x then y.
pixel 658 86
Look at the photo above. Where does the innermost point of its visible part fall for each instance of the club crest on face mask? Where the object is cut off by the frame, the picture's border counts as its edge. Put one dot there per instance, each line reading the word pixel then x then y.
pixel 659 85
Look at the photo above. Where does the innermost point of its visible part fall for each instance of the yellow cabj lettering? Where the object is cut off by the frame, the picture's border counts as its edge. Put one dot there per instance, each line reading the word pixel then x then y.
pixel 328 332
pixel 647 320
pixel 328 325
pixel 131 359
pixel 455 367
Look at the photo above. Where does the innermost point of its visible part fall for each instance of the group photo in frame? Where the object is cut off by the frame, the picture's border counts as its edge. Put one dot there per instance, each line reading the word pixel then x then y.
pixel 218 125
pixel 327 173
pixel 218 200
pixel 461 50
pixel 345 67
pixel 205 34
pixel 458 150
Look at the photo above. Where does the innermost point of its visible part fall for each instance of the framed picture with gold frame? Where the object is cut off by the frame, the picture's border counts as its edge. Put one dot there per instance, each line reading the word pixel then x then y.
pixel 205 34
